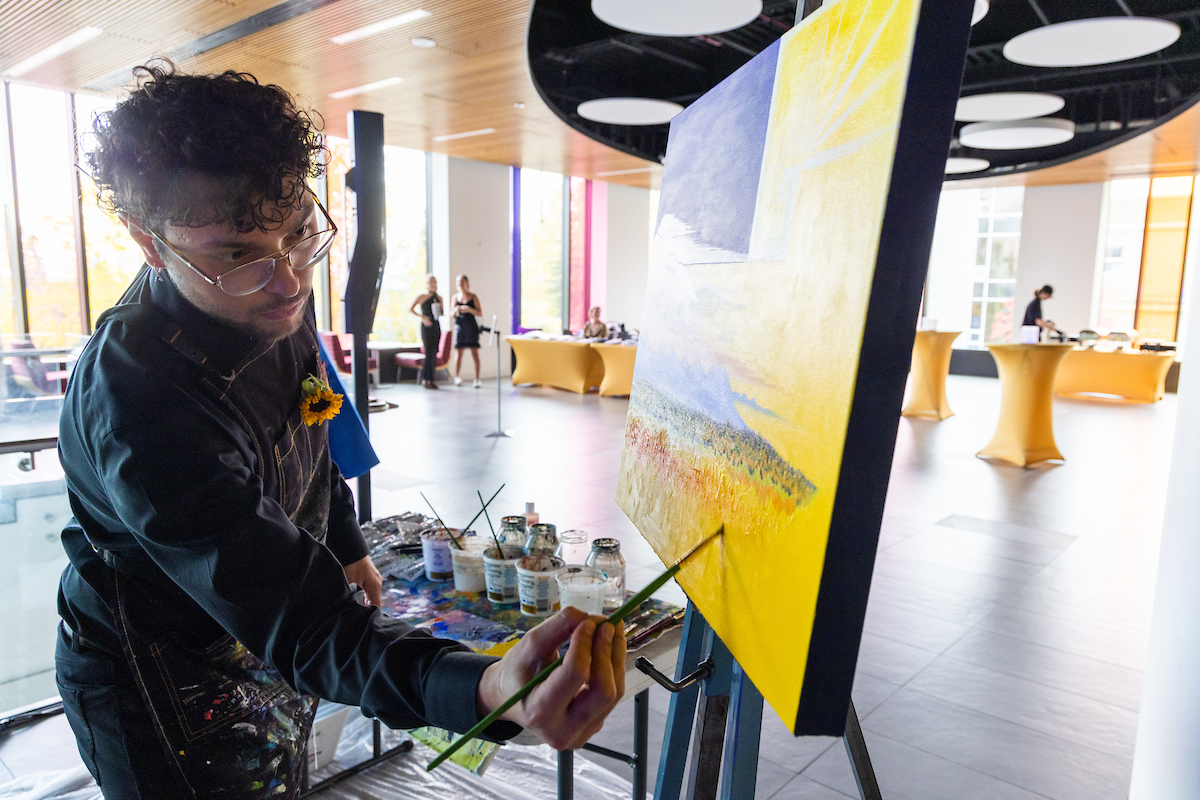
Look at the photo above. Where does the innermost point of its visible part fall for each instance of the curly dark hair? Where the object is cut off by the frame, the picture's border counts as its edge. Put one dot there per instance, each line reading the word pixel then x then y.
pixel 249 144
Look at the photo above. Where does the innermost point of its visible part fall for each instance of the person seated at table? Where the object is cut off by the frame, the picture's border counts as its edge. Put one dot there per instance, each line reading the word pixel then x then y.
pixel 594 327
pixel 1033 311
pixel 466 307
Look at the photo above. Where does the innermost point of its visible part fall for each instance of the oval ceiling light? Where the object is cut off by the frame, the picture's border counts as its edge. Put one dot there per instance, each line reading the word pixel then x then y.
pixel 957 166
pixel 1006 105
pixel 677 17
pixel 629 110
pixel 1084 42
pixel 1016 134
pixel 980 11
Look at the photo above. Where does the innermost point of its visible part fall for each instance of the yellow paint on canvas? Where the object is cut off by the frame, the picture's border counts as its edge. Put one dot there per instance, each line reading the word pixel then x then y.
pixel 792 343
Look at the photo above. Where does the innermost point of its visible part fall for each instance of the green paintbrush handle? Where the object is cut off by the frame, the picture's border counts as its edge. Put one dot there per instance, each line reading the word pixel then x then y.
pixel 524 691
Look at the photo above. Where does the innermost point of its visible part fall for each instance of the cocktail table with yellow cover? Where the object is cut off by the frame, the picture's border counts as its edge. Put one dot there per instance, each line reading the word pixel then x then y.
pixel 926 395
pixel 1025 432
pixel 1133 375
pixel 618 368
pixel 561 363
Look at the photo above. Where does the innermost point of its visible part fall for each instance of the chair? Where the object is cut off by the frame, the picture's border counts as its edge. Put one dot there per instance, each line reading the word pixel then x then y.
pixel 31 374
pixel 416 360
pixel 342 356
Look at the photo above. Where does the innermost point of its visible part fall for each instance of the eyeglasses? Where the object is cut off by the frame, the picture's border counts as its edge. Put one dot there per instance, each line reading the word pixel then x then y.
pixel 248 278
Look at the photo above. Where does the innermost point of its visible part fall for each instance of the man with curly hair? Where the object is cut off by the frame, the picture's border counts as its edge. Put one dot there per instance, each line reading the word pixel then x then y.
pixel 207 599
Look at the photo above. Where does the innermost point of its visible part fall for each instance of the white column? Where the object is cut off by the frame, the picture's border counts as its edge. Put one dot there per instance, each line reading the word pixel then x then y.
pixel 1166 763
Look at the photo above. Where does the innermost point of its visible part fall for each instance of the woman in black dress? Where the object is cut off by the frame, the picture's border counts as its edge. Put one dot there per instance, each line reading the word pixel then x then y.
pixel 430 304
pixel 466 308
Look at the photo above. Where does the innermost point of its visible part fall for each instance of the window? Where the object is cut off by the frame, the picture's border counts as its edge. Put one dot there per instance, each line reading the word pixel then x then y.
pixel 541 250
pixel 996 250
pixel 339 256
pixel 1162 258
pixel 47 206
pixel 405 270
pixel 581 193
pixel 1122 261
pixel 112 257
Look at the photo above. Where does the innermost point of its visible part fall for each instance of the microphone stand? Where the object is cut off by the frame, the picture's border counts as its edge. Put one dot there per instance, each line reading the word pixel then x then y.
pixel 494 339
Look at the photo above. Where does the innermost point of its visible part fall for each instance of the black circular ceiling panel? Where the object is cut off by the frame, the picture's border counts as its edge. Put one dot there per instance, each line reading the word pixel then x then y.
pixel 574 57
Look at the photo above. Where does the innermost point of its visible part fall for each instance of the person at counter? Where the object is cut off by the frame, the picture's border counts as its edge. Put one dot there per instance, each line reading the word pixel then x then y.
pixel 466 307
pixel 430 304
pixel 1033 311
pixel 207 598
pixel 594 327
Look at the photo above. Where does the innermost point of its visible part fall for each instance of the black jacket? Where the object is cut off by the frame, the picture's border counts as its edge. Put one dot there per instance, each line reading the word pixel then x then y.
pixel 189 470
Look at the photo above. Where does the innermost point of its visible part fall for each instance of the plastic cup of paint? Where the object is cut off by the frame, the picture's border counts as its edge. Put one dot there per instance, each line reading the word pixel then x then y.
pixel 582 587
pixel 435 547
pixel 500 573
pixel 468 564
pixel 536 584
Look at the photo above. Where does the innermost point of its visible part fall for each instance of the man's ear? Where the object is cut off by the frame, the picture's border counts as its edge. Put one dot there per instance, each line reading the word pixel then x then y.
pixel 144 239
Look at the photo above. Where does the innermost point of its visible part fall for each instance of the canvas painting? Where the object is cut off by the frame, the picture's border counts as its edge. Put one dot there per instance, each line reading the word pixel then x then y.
pixel 763 261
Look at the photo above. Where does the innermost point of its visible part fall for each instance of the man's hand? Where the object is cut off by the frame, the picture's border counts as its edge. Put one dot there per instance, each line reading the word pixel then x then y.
pixel 569 707
pixel 363 573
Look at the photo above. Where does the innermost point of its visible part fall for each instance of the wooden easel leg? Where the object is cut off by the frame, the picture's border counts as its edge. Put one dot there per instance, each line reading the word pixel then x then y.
pixel 860 760
pixel 742 733
pixel 673 760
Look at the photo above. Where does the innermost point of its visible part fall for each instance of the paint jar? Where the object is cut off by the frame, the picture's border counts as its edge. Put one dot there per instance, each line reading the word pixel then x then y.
pixel 542 539
pixel 582 587
pixel 536 584
pixel 512 531
pixel 500 573
pixel 468 564
pixel 435 547
pixel 573 546
pixel 606 557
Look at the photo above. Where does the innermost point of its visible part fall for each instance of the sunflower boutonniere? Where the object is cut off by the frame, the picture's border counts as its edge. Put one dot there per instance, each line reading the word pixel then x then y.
pixel 317 401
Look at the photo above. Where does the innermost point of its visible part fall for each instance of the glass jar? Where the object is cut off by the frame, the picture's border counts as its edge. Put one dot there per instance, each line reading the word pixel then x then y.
pixel 542 539
pixel 512 531
pixel 606 556
pixel 573 546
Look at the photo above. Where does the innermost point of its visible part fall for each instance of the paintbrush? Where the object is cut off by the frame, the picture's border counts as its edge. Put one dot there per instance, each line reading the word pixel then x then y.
pixel 438 516
pixel 488 517
pixel 485 505
pixel 614 618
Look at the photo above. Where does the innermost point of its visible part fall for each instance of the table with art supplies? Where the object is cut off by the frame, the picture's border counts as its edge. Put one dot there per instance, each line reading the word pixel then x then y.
pixel 1025 431
pixel 488 599
pixel 563 362
pixel 618 359
pixel 1132 374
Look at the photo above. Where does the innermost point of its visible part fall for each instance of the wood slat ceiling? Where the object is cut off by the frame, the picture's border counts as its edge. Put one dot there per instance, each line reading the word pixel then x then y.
pixel 469 81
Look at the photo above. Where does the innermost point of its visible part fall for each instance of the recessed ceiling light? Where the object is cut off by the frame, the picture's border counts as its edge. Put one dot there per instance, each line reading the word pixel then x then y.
pixel 623 172
pixel 980 11
pixel 366 87
pixel 518 104
pixel 422 42
pixel 381 26
pixel 677 17
pixel 1084 42
pixel 629 110
pixel 55 50
pixel 464 135
pixel 1017 134
pixel 957 166
pixel 1006 105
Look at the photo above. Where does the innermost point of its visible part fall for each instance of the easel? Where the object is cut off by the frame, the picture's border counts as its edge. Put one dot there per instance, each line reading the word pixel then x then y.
pixel 727 723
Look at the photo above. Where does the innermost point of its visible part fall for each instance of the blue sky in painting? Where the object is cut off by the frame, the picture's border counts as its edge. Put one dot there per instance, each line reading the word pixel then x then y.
pixel 714 155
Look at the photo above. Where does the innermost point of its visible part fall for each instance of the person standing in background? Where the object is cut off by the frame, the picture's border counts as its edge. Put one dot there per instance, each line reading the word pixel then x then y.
pixel 431 329
pixel 1033 311
pixel 594 327
pixel 466 308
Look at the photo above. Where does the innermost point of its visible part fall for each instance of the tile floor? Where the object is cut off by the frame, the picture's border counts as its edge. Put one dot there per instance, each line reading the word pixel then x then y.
pixel 1006 633
pixel 1005 637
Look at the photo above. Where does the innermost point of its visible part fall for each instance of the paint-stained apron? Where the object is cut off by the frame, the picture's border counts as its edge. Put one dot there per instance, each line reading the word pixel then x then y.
pixel 232 727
